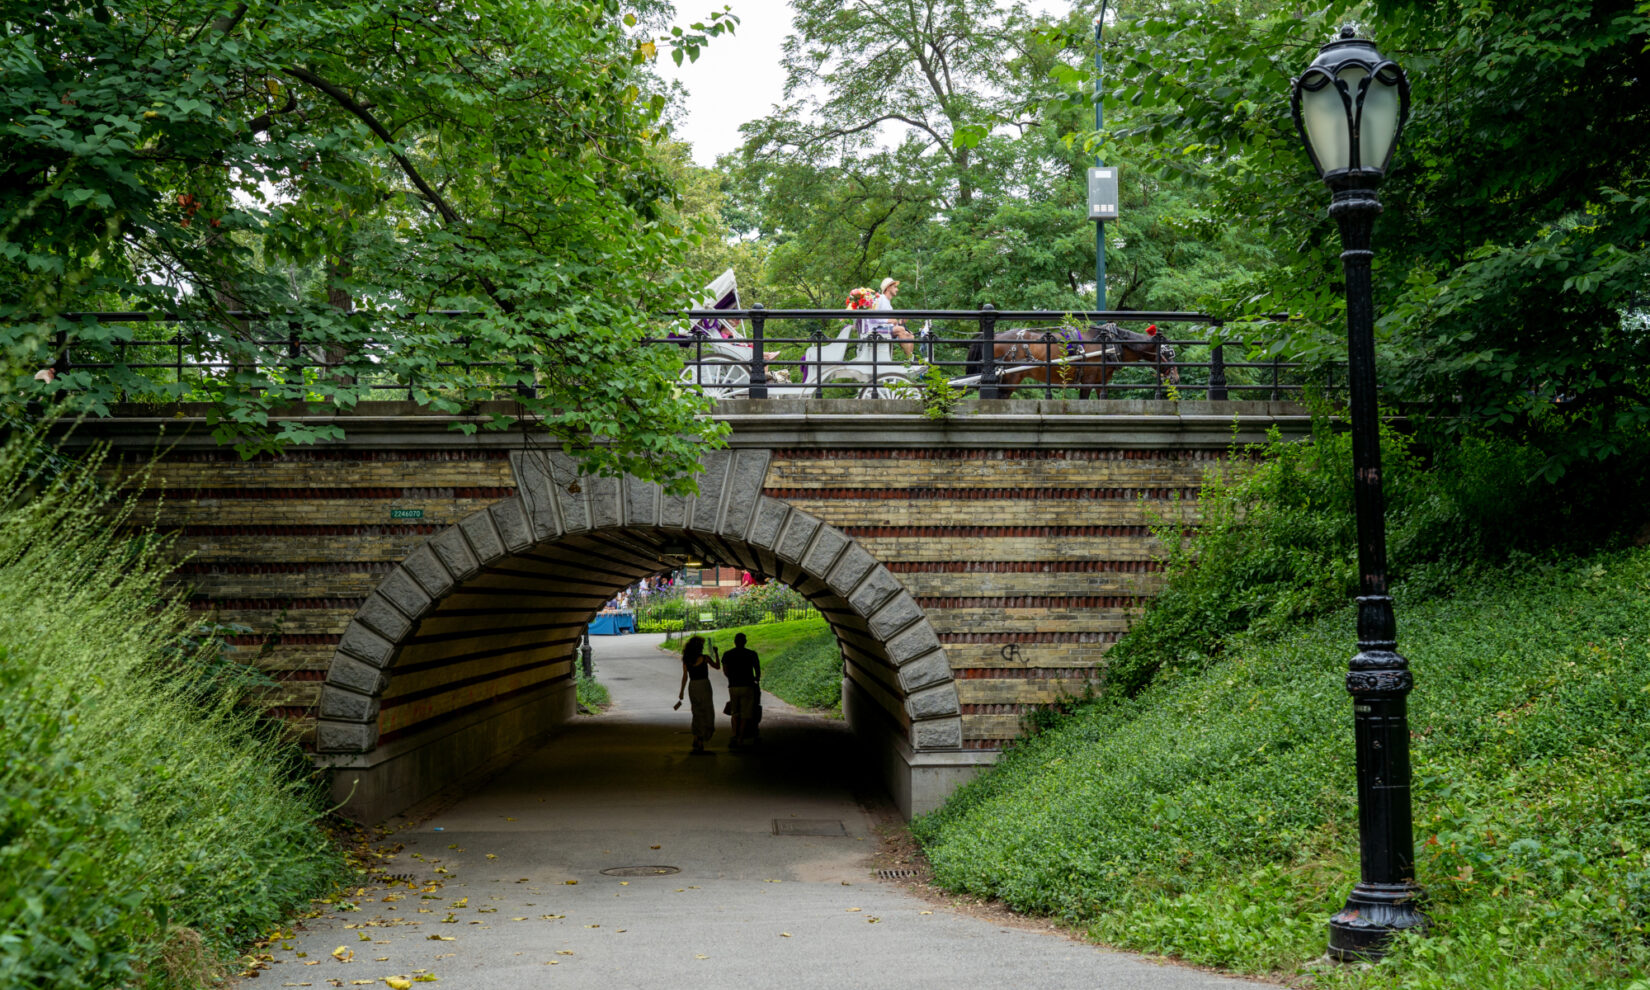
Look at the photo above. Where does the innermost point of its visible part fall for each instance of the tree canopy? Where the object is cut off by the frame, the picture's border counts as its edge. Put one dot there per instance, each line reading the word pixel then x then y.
pixel 339 168
pixel 1513 254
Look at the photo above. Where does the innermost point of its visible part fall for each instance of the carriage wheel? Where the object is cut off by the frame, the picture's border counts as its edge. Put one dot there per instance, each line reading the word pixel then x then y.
pixel 890 387
pixel 718 379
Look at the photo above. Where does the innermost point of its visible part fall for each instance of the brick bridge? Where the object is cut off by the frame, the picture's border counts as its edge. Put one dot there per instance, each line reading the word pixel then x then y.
pixel 972 568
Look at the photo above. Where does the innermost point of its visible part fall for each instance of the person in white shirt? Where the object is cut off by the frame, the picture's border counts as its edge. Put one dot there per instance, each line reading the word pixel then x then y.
pixel 891 327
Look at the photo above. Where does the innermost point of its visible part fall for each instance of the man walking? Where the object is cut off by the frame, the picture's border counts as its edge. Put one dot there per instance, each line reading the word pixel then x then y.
pixel 744 672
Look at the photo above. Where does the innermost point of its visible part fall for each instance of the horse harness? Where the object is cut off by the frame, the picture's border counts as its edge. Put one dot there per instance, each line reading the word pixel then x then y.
pixel 1074 341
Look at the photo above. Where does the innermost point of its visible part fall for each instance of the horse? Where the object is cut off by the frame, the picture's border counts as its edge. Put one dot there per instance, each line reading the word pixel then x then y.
pixel 1086 358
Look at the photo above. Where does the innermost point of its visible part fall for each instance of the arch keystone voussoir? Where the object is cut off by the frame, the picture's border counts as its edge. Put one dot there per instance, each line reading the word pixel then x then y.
pixel 713 481
pixel 345 737
pixel 510 519
pixel 937 734
pixel 926 671
pixel 343 705
pixel 387 620
pixel 478 529
pixel 797 537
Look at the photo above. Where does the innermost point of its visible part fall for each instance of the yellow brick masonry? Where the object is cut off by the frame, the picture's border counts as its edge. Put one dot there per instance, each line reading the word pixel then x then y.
pixel 1008 655
pixel 442 512
pixel 300 472
pixel 247 552
pixel 996 512
pixel 1183 471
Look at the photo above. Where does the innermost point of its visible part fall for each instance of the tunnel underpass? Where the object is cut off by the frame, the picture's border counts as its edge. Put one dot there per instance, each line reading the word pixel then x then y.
pixel 465 651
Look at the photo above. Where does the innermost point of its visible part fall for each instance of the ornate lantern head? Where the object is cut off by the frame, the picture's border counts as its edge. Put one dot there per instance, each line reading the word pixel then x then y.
pixel 1349 107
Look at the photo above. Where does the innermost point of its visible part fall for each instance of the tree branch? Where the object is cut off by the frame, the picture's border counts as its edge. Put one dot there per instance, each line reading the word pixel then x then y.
pixel 364 115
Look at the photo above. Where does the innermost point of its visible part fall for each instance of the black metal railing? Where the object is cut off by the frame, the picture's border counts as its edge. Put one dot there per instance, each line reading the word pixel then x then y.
pixel 825 353
pixel 845 353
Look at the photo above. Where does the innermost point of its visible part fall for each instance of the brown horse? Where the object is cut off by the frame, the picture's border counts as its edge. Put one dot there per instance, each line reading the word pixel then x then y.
pixel 1086 358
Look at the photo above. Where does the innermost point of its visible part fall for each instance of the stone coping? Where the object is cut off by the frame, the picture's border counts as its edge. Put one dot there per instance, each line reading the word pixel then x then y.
pixel 777 422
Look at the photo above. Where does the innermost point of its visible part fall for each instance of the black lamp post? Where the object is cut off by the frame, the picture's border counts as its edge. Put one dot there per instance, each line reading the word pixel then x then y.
pixel 1349 107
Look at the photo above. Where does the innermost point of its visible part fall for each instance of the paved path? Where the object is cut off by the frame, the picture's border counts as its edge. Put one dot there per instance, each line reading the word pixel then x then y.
pixel 521 900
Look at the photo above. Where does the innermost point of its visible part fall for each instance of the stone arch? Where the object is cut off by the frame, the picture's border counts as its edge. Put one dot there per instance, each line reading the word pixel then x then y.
pixel 590 536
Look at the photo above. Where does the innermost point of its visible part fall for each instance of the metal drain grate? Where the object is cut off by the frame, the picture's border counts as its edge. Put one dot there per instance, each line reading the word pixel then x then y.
pixel 808 826
pixel 895 874
pixel 640 871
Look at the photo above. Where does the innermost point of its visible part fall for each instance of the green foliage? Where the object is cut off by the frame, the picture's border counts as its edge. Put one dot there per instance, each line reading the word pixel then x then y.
pixel 1513 250
pixel 1213 816
pixel 593 696
pixel 770 601
pixel 336 167
pixel 1275 537
pixel 981 198
pixel 801 661
pixel 143 808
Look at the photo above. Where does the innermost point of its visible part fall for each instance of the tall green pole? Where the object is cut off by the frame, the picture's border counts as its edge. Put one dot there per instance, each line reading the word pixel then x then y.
pixel 1099 120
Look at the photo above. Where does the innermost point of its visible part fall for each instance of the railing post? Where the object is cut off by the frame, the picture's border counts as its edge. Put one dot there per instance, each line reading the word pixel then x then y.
pixel 816 346
pixel 988 353
pixel 1274 379
pixel 759 361
pixel 61 363
pixel 1157 366
pixel 585 663
pixel 1217 370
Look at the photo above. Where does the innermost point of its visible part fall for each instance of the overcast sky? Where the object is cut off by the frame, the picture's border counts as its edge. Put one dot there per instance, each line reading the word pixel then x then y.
pixel 739 78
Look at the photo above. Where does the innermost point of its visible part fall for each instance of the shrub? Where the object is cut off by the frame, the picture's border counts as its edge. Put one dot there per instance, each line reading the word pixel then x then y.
pixel 143 807
pixel 1276 542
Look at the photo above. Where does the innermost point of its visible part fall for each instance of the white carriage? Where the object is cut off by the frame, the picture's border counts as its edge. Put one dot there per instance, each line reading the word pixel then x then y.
pixel 717 361
pixel 874 363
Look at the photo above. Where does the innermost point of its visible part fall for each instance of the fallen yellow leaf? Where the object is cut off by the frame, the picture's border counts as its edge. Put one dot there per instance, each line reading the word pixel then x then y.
pixel 852 910
pixel 439 938
pixel 698 956
pixel 784 934
pixel 872 921
pixel 653 847
pixel 343 954
pixel 491 856
pixel 564 952
pixel 518 919
pixel 571 883
pixel 925 912
pixel 397 983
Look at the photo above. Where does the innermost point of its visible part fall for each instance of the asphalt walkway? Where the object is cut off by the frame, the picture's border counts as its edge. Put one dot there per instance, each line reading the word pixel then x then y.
pixel 734 870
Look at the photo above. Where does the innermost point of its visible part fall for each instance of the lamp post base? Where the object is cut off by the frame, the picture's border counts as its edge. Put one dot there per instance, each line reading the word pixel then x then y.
pixel 1374 912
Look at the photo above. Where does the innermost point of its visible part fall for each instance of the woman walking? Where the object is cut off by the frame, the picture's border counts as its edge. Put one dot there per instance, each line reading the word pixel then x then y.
pixel 696 665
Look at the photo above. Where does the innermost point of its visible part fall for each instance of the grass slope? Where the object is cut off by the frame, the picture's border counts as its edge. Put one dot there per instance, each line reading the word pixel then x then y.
pixel 1212 817
pixel 800 660
pixel 150 826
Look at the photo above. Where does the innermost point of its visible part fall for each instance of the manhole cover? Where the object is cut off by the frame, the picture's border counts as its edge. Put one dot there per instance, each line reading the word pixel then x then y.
pixel 641 871
pixel 895 874
pixel 808 826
